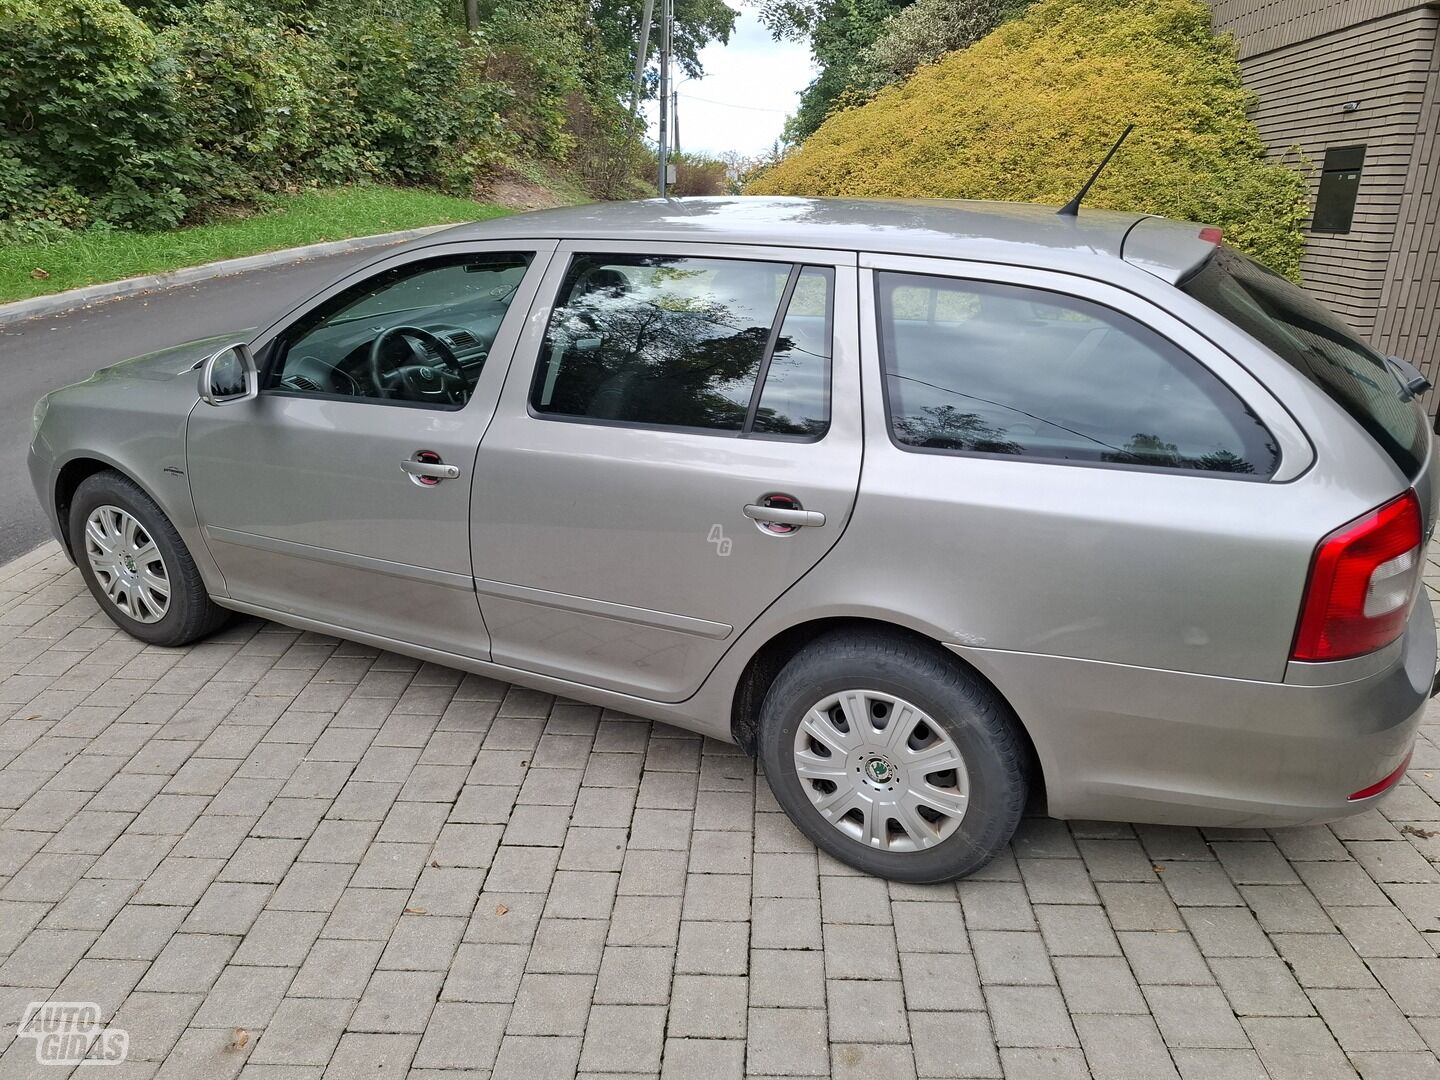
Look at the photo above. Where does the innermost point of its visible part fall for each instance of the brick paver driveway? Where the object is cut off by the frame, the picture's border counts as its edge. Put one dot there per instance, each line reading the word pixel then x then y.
pixel 280 855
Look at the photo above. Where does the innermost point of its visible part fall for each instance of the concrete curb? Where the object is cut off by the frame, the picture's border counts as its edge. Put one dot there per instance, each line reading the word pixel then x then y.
pixel 60 303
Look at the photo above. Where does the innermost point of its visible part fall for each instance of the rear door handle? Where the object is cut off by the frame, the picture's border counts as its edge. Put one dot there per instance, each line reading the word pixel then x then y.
pixel 427 468
pixel 780 516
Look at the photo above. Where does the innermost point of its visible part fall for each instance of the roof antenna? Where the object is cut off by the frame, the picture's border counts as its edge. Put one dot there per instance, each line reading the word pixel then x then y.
pixel 1072 208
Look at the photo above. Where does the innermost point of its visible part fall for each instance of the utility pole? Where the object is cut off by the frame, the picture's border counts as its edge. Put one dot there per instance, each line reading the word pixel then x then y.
pixel 641 54
pixel 666 16
pixel 675 119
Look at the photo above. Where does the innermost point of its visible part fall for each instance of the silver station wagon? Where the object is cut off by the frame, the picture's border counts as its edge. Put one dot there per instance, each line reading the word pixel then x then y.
pixel 941 509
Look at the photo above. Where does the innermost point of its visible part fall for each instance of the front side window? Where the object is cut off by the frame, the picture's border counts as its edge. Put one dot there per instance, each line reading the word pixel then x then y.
pixel 982 367
pixel 417 334
pixel 717 345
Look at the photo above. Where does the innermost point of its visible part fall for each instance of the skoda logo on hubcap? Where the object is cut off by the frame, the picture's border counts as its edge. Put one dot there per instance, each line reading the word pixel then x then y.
pixel 130 563
pixel 879 770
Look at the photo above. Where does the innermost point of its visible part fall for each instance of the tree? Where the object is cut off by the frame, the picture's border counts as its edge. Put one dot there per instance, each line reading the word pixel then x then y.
pixel 924 32
pixel 740 168
pixel 697 23
pixel 839 32
pixel 944 427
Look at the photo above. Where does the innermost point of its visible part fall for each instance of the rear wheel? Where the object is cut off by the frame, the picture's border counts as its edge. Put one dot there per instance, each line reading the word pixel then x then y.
pixel 893 758
pixel 136 565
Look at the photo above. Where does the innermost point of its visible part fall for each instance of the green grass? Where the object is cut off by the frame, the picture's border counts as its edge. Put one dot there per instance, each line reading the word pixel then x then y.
pixel 332 214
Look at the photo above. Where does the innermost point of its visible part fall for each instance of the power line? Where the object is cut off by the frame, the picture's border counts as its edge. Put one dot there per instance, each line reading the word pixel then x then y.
pixel 732 105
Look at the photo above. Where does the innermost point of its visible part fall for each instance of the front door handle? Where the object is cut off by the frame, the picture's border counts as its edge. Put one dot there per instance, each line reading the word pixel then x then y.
pixel 777 515
pixel 426 468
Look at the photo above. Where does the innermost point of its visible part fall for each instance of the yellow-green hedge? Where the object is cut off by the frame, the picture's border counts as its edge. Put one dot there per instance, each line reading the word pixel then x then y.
pixel 1028 111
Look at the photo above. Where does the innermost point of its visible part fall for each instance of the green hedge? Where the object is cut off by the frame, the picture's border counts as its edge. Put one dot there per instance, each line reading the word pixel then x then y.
pixel 1027 111
pixel 108 120
pixel 92 129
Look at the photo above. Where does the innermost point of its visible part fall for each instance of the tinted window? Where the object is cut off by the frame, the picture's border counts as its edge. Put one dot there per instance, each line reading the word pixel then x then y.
pixel 1282 317
pixel 414 334
pixel 683 342
pixel 1001 369
pixel 796 397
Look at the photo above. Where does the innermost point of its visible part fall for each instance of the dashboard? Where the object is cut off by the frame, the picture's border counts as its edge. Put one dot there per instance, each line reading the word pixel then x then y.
pixel 334 358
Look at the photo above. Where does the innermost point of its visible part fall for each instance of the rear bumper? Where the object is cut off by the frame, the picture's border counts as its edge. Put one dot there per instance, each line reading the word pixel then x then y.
pixel 1138 744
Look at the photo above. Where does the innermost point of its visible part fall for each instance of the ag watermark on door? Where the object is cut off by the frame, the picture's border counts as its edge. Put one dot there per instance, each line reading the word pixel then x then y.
pixel 69 1032
pixel 718 538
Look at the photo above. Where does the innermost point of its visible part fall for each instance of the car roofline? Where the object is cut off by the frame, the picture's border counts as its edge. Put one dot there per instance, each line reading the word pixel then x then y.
pixel 1019 233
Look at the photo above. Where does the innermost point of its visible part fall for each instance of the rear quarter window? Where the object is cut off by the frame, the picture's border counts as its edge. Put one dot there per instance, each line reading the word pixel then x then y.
pixel 989 368
pixel 1317 343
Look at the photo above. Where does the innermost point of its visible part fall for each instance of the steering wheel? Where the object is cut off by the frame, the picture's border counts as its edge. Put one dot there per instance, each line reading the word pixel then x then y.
pixel 421 379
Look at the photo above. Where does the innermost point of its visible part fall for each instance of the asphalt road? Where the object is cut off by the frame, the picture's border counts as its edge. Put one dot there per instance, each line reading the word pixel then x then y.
pixel 40 354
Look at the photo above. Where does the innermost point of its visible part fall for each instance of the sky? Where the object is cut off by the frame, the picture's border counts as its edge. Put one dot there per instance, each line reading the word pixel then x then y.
pixel 749 87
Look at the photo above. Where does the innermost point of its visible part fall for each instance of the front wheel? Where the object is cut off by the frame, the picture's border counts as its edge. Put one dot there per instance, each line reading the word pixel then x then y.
pixel 893 758
pixel 136 565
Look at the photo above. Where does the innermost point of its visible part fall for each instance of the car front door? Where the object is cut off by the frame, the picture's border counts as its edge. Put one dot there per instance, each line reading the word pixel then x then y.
pixel 678 442
pixel 342 492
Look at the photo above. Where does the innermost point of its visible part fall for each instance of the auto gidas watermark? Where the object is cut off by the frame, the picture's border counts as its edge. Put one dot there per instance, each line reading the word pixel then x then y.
pixel 69 1032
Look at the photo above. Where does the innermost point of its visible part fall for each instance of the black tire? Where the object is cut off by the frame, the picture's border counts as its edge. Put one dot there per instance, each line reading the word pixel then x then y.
pixel 980 723
pixel 191 614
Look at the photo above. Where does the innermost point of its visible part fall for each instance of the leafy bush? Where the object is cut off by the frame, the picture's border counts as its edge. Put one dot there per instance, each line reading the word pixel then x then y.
pixel 104 120
pixel 696 174
pixel 396 100
pixel 924 32
pixel 534 50
pixel 1027 111
pixel 244 84
pixel 91 127
pixel 606 155
pixel 839 32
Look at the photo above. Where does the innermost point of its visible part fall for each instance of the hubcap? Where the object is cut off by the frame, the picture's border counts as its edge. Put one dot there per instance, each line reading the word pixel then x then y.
pixel 881 771
pixel 127 564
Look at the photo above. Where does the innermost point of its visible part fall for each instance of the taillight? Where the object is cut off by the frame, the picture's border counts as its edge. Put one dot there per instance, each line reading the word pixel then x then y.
pixel 1362 580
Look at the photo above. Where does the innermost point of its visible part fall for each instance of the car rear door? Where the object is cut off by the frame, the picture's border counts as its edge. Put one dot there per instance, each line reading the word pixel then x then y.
pixel 678 441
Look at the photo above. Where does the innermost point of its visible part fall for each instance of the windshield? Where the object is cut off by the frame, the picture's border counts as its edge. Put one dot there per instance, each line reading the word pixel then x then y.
pixel 1281 316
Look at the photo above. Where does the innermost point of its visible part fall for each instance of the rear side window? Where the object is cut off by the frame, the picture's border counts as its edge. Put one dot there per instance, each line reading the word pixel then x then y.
pixel 718 345
pixel 1315 342
pixel 795 399
pixel 986 368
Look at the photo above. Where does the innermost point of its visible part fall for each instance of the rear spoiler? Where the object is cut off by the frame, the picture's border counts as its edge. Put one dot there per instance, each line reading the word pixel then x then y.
pixel 1171 250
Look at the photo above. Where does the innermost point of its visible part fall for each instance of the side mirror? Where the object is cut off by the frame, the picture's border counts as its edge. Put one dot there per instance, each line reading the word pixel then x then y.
pixel 229 375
